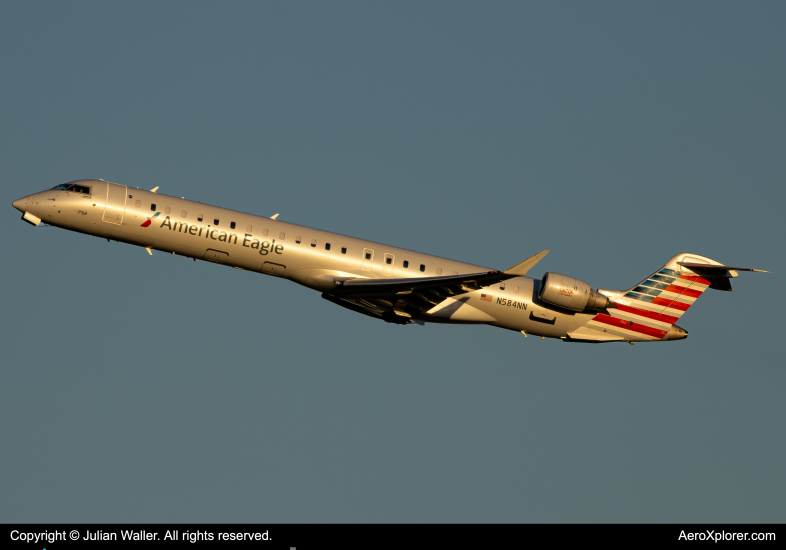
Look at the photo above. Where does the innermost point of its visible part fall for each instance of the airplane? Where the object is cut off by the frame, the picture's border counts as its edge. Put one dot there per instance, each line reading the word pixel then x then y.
pixel 385 282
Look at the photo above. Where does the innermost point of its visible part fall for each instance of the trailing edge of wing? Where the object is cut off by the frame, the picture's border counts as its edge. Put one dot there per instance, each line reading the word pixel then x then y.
pixel 520 270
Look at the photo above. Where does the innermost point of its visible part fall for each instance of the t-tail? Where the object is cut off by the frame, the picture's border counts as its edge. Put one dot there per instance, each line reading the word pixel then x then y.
pixel 650 310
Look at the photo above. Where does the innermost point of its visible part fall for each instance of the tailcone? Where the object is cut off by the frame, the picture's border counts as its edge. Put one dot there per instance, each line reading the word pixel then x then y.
pixel 677 333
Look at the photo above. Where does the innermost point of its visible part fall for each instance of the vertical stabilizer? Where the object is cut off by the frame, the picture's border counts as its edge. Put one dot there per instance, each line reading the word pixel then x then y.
pixel 648 311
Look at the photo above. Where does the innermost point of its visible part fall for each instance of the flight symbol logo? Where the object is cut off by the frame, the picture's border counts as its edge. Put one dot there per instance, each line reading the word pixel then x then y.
pixel 150 220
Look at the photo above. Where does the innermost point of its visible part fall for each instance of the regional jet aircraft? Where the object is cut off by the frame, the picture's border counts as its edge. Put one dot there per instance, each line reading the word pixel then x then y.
pixel 385 282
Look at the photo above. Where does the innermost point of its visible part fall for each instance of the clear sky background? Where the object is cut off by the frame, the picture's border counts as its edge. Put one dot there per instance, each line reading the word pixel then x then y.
pixel 616 134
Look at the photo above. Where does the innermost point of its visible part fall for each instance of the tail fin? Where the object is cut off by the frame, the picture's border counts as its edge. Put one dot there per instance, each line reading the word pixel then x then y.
pixel 649 310
pixel 670 291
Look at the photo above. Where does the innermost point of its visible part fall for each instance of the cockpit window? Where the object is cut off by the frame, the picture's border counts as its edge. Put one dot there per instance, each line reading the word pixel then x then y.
pixel 71 187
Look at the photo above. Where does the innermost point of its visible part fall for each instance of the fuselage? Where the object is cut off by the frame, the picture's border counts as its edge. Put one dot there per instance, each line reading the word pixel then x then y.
pixel 310 257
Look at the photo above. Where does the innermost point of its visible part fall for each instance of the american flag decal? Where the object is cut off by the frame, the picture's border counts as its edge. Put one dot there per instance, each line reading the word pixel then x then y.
pixel 485 297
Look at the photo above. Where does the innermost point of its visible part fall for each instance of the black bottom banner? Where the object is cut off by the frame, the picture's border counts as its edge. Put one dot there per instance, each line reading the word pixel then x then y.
pixel 307 536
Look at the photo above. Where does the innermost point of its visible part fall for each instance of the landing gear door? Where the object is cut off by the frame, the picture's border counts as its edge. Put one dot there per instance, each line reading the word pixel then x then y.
pixel 115 205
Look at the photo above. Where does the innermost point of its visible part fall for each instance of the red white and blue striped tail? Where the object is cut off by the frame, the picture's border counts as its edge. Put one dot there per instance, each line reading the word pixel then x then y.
pixel 649 310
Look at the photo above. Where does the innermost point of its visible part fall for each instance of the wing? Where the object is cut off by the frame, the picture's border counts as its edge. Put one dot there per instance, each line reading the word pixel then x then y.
pixel 398 300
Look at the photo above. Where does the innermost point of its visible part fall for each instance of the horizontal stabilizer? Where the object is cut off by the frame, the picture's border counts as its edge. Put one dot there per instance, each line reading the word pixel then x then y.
pixel 717 275
pixel 717 270
pixel 520 270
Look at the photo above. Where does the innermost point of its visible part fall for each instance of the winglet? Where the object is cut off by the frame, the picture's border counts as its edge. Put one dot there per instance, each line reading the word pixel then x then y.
pixel 274 217
pixel 521 269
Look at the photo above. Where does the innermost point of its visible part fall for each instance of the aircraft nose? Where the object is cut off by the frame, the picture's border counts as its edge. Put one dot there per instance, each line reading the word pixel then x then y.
pixel 21 204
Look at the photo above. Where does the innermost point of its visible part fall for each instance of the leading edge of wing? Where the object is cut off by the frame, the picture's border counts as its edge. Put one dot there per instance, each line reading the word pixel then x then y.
pixel 452 284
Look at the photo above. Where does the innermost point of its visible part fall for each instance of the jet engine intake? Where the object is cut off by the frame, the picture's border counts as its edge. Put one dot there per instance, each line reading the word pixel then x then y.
pixel 571 293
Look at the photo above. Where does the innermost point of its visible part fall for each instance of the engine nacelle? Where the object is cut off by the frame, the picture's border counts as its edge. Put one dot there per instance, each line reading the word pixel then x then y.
pixel 570 293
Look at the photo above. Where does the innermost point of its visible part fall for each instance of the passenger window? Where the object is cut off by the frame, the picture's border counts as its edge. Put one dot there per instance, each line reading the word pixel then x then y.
pixel 343 249
pixel 183 213
pixel 297 239
pixel 153 207
pixel 439 271
pixel 388 260
pixel 516 289
pixel 368 255
pixel 215 221
pixel 281 236
pixel 406 264
pixel 248 229
pixel 167 210
pixel 327 246
pixel 313 242
pixel 502 286
pixel 199 217
pixel 231 225
pixel 422 267
pixel 264 232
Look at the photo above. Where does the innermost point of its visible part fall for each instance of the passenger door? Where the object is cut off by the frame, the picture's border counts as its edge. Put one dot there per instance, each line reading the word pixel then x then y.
pixel 115 204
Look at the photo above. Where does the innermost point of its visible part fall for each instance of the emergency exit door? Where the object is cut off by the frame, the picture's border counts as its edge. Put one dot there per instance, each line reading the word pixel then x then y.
pixel 368 259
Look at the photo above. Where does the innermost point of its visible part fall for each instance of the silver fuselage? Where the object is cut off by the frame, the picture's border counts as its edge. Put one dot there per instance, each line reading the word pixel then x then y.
pixel 282 249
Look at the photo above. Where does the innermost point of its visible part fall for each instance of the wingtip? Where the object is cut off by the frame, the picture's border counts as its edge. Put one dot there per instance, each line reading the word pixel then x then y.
pixel 520 269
